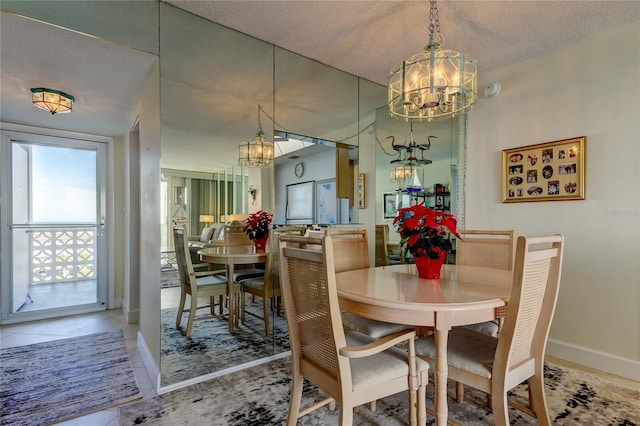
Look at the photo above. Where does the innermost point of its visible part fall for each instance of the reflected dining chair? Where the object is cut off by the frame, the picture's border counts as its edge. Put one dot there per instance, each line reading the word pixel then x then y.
pixel 496 365
pixel 352 368
pixel 235 236
pixel 209 284
pixel 267 286
pixel 386 253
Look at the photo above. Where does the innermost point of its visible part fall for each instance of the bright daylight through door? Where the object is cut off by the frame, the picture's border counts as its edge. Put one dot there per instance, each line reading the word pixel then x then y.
pixel 57 225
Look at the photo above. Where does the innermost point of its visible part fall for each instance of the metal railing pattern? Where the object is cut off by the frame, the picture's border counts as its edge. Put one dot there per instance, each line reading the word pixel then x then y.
pixel 62 255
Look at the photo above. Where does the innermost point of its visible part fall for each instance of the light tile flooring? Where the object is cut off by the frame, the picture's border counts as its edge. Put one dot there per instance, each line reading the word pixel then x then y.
pixel 80 325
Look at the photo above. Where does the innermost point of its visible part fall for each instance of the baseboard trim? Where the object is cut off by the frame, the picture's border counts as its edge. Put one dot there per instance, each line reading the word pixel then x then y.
pixel 149 364
pixel 602 361
pixel 132 317
pixel 199 379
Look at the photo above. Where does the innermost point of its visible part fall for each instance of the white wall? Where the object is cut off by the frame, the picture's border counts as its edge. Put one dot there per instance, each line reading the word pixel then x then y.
pixel 148 212
pixel 590 88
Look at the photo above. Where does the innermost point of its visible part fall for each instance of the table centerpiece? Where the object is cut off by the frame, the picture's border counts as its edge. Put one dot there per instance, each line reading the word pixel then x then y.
pixel 257 228
pixel 425 233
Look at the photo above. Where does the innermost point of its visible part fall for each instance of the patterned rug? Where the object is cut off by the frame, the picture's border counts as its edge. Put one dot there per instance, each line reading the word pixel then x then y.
pixel 169 278
pixel 260 395
pixel 49 382
pixel 212 348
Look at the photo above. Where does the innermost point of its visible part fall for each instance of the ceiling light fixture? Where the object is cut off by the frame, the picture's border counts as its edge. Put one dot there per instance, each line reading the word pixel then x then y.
pixel 435 83
pixel 53 101
pixel 257 152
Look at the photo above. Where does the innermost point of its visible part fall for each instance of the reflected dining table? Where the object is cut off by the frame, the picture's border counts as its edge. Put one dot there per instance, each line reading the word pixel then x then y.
pixel 231 256
pixel 463 295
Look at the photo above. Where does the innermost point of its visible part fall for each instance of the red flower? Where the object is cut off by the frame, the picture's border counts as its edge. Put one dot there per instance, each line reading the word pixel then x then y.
pixel 425 231
pixel 258 224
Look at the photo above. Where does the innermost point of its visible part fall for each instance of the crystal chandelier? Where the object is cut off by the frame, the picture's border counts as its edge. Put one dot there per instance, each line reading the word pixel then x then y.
pixel 53 101
pixel 435 83
pixel 257 152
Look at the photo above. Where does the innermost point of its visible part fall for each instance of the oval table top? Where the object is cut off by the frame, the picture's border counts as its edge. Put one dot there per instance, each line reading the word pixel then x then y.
pixel 396 290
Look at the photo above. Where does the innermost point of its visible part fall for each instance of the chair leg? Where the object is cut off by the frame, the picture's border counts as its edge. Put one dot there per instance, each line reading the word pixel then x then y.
pixel 459 393
pixel 183 298
pixel 265 313
pixel 537 400
pixel 296 399
pixel 499 403
pixel 192 314
pixel 243 306
pixel 346 415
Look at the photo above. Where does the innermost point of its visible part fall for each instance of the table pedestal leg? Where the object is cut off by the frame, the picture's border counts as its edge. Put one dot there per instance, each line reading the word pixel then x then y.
pixel 441 375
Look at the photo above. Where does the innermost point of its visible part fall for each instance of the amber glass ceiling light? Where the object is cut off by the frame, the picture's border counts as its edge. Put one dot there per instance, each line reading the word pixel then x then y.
pixel 435 83
pixel 53 101
pixel 257 152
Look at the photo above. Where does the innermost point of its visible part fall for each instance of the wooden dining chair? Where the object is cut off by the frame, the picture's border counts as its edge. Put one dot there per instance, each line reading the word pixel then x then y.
pixel 490 249
pixel 267 286
pixel 496 365
pixel 350 252
pixel 351 368
pixel 201 284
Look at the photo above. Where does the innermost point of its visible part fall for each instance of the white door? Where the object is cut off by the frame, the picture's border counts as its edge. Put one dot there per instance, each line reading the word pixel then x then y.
pixel 54 257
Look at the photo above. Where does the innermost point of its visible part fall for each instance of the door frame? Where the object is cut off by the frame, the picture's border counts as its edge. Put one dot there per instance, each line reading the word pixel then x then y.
pixel 107 199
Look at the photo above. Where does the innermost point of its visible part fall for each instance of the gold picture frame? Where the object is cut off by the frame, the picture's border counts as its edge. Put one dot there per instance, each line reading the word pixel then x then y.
pixel 549 171
pixel 361 191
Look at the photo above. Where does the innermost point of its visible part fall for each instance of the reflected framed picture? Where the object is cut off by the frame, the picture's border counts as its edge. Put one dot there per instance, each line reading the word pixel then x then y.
pixel 361 190
pixel 179 195
pixel 550 171
pixel 392 201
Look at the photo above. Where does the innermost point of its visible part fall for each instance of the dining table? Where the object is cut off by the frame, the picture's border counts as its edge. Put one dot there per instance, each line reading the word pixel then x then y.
pixel 462 295
pixel 230 256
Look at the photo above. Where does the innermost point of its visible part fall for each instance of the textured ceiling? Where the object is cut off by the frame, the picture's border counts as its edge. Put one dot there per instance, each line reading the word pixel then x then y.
pixel 364 38
pixel 367 38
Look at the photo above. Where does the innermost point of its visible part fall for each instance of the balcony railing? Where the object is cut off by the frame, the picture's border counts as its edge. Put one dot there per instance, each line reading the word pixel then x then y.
pixel 62 255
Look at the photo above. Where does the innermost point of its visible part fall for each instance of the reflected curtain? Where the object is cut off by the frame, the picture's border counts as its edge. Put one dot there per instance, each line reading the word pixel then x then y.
pixel 203 201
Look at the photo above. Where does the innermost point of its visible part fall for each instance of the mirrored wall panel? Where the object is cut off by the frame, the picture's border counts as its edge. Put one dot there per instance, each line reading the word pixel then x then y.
pixel 433 169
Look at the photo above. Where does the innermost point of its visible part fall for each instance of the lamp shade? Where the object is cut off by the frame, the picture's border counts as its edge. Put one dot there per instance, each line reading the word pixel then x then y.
pixel 206 218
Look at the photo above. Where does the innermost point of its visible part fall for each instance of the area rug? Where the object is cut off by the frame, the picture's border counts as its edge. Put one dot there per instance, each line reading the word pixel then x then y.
pixel 212 348
pixel 169 278
pixel 49 382
pixel 260 395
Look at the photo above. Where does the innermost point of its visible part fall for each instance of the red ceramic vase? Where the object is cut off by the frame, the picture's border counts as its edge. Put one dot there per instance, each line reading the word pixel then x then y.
pixel 429 268
pixel 260 244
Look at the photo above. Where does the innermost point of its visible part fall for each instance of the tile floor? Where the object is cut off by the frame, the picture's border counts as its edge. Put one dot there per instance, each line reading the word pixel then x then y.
pixel 79 325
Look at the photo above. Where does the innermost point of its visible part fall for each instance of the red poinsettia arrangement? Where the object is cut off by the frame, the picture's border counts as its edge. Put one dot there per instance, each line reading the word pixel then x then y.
pixel 424 230
pixel 258 224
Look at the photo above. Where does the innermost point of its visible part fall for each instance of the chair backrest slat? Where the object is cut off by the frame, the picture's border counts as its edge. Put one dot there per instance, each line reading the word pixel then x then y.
pixel 350 249
pixel 235 236
pixel 311 304
pixel 532 302
pixel 489 248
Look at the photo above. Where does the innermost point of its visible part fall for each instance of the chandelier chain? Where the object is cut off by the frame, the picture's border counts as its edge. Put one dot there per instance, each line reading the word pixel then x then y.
pixel 434 20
